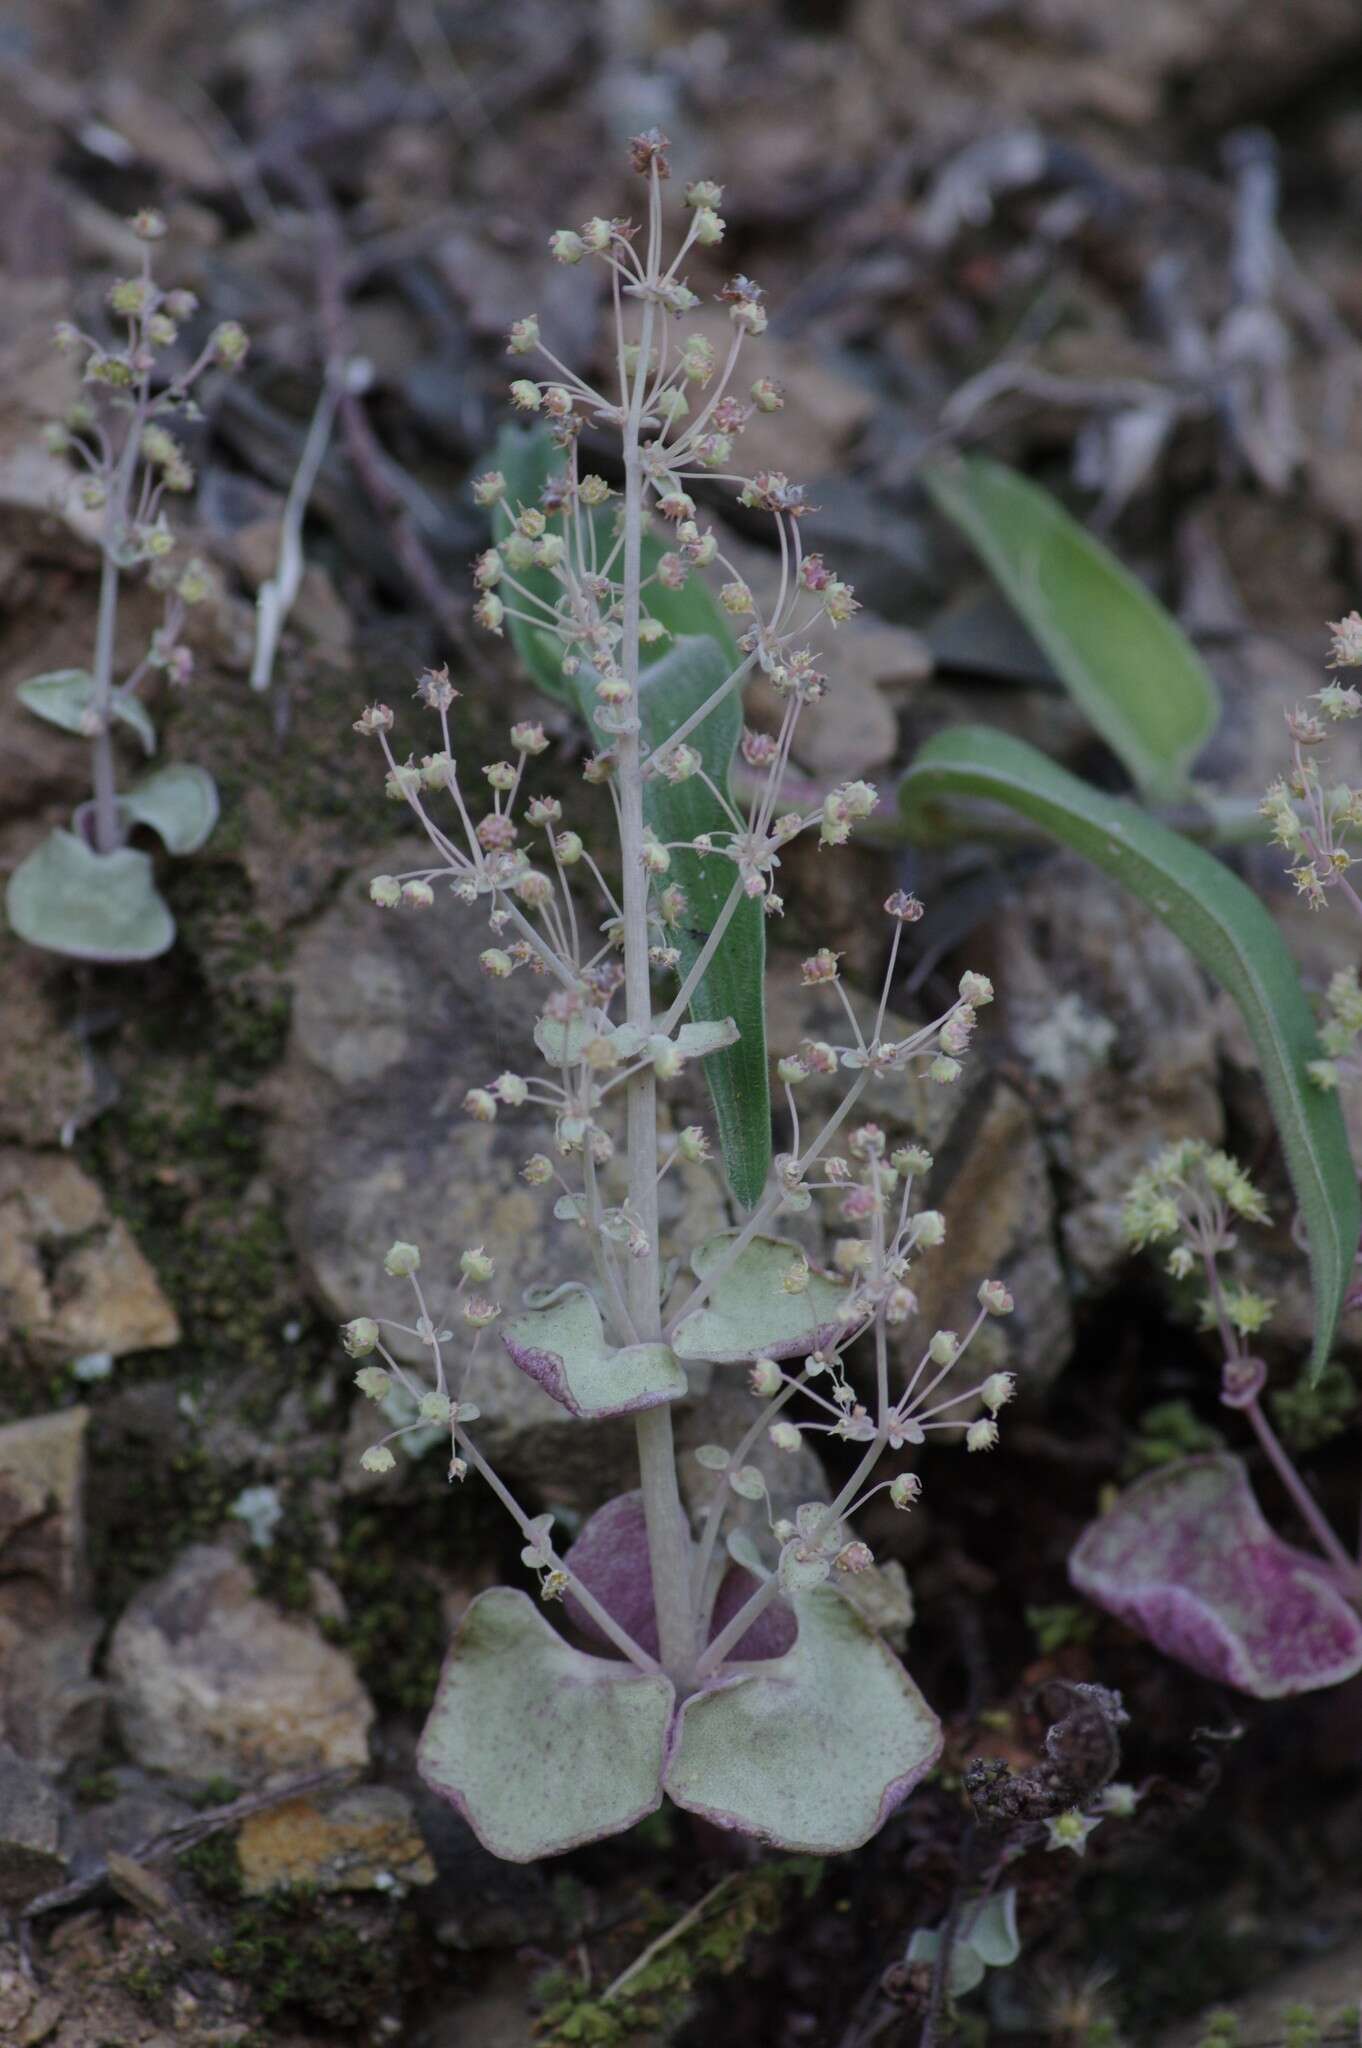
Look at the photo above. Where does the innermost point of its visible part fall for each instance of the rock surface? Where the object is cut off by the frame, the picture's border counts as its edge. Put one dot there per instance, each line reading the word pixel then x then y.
pixel 1115 1032
pixel 72 1280
pixel 210 1680
pixel 51 1709
pixel 30 1832
pixel 365 1839
pixel 393 1022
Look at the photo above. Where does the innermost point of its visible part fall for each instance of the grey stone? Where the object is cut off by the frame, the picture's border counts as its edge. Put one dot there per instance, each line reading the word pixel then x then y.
pixel 393 1022
pixel 30 1832
pixel 210 1680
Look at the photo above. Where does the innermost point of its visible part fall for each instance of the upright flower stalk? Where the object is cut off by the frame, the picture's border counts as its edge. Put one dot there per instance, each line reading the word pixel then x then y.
pixel 582 568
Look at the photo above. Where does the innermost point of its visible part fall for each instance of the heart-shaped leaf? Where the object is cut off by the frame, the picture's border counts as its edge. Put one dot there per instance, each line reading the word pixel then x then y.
pixel 539 1746
pixel 91 906
pixel 610 1557
pixel 180 803
pixel 1124 659
pixel 1186 1557
pixel 1227 929
pixel 676 677
pixel 64 696
pixel 564 1348
pixel 812 1751
pixel 754 1312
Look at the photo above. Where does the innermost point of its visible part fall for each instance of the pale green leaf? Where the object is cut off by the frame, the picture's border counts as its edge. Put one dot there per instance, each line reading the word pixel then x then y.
pixel 1228 930
pixel 811 1751
pixel 1124 659
pixel 992 1933
pixel 967 1968
pixel 89 906
pixel 751 1313
pixel 564 1348
pixel 539 1746
pixel 180 803
pixel 64 695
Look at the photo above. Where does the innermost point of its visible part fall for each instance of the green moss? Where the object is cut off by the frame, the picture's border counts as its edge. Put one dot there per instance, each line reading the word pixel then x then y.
pixel 1169 1430
pixel 1308 1416
pixel 656 1999
pixel 96 1788
pixel 1055 1627
pixel 214 1792
pixel 301 1959
pixel 214 1866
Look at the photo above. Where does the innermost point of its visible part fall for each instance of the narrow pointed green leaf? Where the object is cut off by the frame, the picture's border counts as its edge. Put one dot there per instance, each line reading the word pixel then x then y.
pixel 1228 930
pixel 676 677
pixel 1126 662
pixel 64 695
pixel 90 906
pixel 180 803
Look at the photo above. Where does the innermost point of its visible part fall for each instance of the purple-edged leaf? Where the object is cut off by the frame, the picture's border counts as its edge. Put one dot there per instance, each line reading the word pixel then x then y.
pixel 1186 1557
pixel 752 1311
pixel 610 1557
pixel 539 1746
pixel 813 1751
pixel 564 1347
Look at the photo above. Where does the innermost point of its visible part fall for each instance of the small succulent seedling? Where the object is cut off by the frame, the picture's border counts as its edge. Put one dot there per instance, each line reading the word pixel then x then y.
pixel 86 892
pixel 1186 1554
pixel 729 1672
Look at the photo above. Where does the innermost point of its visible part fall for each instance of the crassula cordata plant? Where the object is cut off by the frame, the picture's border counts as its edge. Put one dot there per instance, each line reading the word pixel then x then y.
pixel 728 1672
pixel 86 891
pixel 1186 1554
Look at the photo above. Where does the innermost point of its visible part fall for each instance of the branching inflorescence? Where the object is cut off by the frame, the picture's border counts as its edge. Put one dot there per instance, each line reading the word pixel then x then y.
pixel 87 893
pixel 597 937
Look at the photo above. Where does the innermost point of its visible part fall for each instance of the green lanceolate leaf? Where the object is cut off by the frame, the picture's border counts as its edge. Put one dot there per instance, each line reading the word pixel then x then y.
pixel 1228 930
pixel 64 696
pixel 90 906
pixel 1125 661
pixel 180 803
pixel 675 679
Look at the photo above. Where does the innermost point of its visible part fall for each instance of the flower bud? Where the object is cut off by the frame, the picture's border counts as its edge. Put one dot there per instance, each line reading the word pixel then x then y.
pixel 981 1436
pixel 976 990
pixel 360 1336
pixel 385 891
pixel 498 965
pixel 528 737
pixel 525 396
pixel 767 395
pixel 417 895
pixel 783 1436
pixel 569 849
pixel 537 1170
pixel 477 1265
pixel 401 1260
pixel 709 228
pixel 481 1105
pixel 433 1407
pixel 478 1312
pixel 765 1378
pixel 512 1089
pixel 928 1228
pixel 994 1297
pixel 904 1489
pixel 567 247
pixel 229 345
pixel 378 1458
pixel 524 336
pixel 944 1348
pixel 490 488
pixel 372 1382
